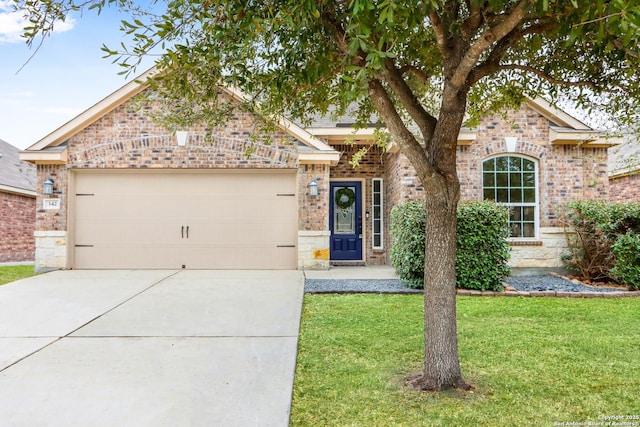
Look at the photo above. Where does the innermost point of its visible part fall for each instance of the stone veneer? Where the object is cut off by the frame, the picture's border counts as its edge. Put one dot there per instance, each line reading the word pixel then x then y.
pixel 16 228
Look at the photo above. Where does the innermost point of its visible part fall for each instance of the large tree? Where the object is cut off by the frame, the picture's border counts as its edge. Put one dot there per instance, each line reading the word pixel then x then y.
pixel 416 65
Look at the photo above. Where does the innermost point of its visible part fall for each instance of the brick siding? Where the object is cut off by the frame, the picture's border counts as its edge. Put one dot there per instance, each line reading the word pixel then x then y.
pixel 17 223
pixel 625 188
pixel 55 219
pixel 565 172
pixel 127 137
pixel 313 211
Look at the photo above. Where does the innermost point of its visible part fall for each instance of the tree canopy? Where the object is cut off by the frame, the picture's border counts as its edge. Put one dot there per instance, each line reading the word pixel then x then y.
pixel 424 64
pixel 303 56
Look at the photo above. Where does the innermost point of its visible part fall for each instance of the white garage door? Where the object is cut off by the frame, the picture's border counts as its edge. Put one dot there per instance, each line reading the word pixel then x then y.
pixel 216 220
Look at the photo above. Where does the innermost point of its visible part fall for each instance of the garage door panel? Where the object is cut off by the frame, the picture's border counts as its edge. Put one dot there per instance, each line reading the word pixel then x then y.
pixel 140 220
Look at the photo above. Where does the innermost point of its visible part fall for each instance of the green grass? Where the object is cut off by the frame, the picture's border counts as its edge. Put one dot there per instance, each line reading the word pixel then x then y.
pixel 15 272
pixel 532 361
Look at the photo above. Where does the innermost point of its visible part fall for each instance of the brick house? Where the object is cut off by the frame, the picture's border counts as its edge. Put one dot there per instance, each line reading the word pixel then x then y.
pixel 132 194
pixel 624 172
pixel 17 206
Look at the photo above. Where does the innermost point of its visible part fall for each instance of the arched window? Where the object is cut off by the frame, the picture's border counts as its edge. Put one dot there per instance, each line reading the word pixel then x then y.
pixel 513 181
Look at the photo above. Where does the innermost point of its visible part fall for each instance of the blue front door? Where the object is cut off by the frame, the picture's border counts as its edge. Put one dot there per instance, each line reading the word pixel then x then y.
pixel 345 221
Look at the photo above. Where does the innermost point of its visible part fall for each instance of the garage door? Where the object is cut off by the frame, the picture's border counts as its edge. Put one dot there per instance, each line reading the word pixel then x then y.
pixel 220 220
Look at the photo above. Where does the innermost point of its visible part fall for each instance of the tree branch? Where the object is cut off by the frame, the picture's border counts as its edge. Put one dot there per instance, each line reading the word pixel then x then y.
pixel 492 63
pixel 493 68
pixel 492 35
pixel 424 77
pixel 420 116
pixel 441 35
pixel 405 139
pixel 472 23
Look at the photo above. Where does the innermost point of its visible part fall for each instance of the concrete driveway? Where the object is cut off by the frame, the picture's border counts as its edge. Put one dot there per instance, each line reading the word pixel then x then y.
pixel 149 348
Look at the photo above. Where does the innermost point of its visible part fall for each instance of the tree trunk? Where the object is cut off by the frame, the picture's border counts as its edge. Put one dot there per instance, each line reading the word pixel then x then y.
pixel 441 362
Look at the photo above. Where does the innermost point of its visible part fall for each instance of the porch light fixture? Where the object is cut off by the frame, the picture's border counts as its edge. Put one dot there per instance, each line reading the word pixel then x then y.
pixel 313 188
pixel 511 143
pixel 181 136
pixel 47 188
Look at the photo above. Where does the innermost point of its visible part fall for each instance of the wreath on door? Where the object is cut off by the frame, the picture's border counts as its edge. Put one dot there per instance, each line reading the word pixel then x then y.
pixel 345 197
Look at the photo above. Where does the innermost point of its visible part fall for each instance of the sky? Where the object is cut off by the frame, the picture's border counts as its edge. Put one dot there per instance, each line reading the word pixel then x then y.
pixel 66 76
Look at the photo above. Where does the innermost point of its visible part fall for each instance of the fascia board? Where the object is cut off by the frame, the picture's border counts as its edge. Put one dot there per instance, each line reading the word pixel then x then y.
pixel 44 157
pixel 319 157
pixel 16 190
pixel 556 115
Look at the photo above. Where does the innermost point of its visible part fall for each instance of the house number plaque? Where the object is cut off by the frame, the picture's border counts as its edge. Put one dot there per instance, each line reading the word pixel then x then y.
pixel 51 204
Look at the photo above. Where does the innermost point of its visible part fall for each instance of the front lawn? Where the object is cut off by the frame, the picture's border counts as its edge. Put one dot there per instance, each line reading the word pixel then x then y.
pixel 15 272
pixel 532 361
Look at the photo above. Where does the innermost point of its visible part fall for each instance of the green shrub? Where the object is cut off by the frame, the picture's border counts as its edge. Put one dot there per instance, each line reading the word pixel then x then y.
pixel 482 247
pixel 407 249
pixel 592 229
pixel 627 265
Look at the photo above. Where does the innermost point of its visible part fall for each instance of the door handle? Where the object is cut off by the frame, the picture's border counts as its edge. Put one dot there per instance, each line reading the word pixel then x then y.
pixel 182 232
pixel 187 231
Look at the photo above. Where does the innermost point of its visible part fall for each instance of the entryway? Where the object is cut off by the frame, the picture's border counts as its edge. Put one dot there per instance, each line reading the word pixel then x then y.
pixel 345 221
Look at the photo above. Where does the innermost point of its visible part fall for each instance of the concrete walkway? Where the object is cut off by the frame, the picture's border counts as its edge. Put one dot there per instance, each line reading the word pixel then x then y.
pixel 149 348
pixel 369 272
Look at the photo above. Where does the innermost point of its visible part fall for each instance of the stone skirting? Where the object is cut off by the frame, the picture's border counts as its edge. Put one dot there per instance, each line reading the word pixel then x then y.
pixel 313 250
pixel 543 253
pixel 51 250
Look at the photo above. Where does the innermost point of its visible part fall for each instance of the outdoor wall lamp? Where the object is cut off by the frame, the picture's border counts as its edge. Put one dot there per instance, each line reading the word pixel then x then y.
pixel 47 188
pixel 511 143
pixel 313 188
pixel 181 136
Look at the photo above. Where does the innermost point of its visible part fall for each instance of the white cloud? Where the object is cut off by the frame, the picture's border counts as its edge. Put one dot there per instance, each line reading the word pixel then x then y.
pixel 12 24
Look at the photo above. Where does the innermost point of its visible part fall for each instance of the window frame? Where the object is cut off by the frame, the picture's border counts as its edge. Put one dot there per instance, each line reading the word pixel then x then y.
pixel 535 205
pixel 374 220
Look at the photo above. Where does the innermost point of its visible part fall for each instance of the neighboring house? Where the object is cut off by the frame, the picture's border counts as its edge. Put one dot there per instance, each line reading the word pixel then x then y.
pixel 134 195
pixel 17 206
pixel 624 171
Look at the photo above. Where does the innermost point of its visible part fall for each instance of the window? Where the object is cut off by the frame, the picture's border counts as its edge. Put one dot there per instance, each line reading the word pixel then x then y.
pixel 377 219
pixel 512 181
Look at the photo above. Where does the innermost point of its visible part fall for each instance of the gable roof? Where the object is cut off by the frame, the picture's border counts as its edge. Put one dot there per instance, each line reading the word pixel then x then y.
pixel 51 148
pixel 16 176
pixel 624 159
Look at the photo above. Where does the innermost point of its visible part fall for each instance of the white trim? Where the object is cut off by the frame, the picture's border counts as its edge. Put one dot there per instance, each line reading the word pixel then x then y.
pixel 555 115
pixel 331 158
pixel 535 205
pixel 15 190
pixel 373 216
pixel 45 157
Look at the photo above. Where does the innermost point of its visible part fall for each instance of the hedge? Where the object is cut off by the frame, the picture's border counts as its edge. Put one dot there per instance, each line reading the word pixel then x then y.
pixel 482 248
pixel 603 241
